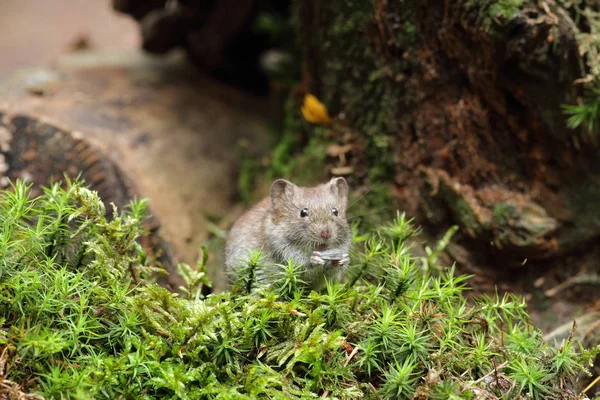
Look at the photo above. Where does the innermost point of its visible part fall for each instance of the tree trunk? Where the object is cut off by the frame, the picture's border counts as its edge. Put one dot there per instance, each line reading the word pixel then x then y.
pixel 460 102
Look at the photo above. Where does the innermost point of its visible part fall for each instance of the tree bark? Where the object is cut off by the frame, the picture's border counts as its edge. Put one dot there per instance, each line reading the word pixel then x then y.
pixel 460 104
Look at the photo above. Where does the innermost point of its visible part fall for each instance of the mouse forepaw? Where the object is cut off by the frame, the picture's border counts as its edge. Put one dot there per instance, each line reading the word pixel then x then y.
pixel 315 258
pixel 345 260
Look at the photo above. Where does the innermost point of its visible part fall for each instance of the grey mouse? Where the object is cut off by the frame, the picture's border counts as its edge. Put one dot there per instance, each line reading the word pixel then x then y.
pixel 305 224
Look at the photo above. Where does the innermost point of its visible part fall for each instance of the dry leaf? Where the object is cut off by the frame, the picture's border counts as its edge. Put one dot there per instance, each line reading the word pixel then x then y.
pixel 297 313
pixel 314 111
pixel 262 352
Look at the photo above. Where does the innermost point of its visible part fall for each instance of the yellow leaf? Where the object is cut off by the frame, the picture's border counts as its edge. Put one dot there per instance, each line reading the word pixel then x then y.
pixel 314 111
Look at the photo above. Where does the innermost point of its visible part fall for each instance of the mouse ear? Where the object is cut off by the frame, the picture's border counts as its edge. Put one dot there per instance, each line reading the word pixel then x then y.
pixel 280 189
pixel 339 187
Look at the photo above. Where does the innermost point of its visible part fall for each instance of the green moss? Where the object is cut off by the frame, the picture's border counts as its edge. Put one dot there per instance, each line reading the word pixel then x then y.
pixel 466 216
pixel 493 15
pixel 502 213
pixel 583 24
pixel 584 114
pixel 463 212
pixel 305 166
pixel 297 155
pixel 505 9
pixel 523 226
pixel 81 318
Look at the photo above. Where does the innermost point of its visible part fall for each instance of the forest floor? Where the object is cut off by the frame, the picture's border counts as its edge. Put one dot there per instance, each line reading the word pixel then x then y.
pixel 176 134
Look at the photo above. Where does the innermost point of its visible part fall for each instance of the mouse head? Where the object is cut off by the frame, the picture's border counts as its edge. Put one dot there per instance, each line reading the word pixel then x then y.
pixel 314 217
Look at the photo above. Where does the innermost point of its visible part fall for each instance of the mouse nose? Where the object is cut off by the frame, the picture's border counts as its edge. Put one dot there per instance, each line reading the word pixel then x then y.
pixel 325 234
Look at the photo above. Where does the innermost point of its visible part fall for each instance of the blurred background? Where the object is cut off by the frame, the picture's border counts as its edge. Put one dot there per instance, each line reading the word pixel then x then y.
pixel 37 32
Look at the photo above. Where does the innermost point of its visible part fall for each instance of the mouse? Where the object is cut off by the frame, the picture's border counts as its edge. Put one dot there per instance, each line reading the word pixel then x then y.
pixel 306 225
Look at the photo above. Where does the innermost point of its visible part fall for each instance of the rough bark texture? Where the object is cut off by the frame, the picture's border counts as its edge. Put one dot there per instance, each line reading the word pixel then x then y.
pixel 461 104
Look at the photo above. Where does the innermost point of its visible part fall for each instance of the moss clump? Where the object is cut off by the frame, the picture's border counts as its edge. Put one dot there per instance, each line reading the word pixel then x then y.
pixel 583 21
pixel 505 8
pixel 586 29
pixel 80 318
pixel 494 14
pixel 503 212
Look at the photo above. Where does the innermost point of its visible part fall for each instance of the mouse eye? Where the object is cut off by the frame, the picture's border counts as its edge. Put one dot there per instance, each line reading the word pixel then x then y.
pixel 304 212
pixel 334 211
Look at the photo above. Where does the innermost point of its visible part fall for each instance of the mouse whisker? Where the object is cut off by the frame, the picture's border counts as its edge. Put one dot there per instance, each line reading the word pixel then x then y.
pixel 360 198
pixel 369 213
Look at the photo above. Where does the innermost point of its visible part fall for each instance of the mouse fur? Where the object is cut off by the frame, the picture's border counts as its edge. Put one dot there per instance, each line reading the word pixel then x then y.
pixel 280 228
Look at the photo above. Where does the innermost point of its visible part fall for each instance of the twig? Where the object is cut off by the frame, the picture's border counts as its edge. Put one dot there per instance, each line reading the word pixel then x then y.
pixel 584 277
pixel 588 387
pixel 374 390
pixel 350 356
pixel 495 370
pixel 133 275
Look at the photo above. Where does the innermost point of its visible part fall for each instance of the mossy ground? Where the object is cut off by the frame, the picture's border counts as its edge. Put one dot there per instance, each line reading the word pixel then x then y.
pixel 81 318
